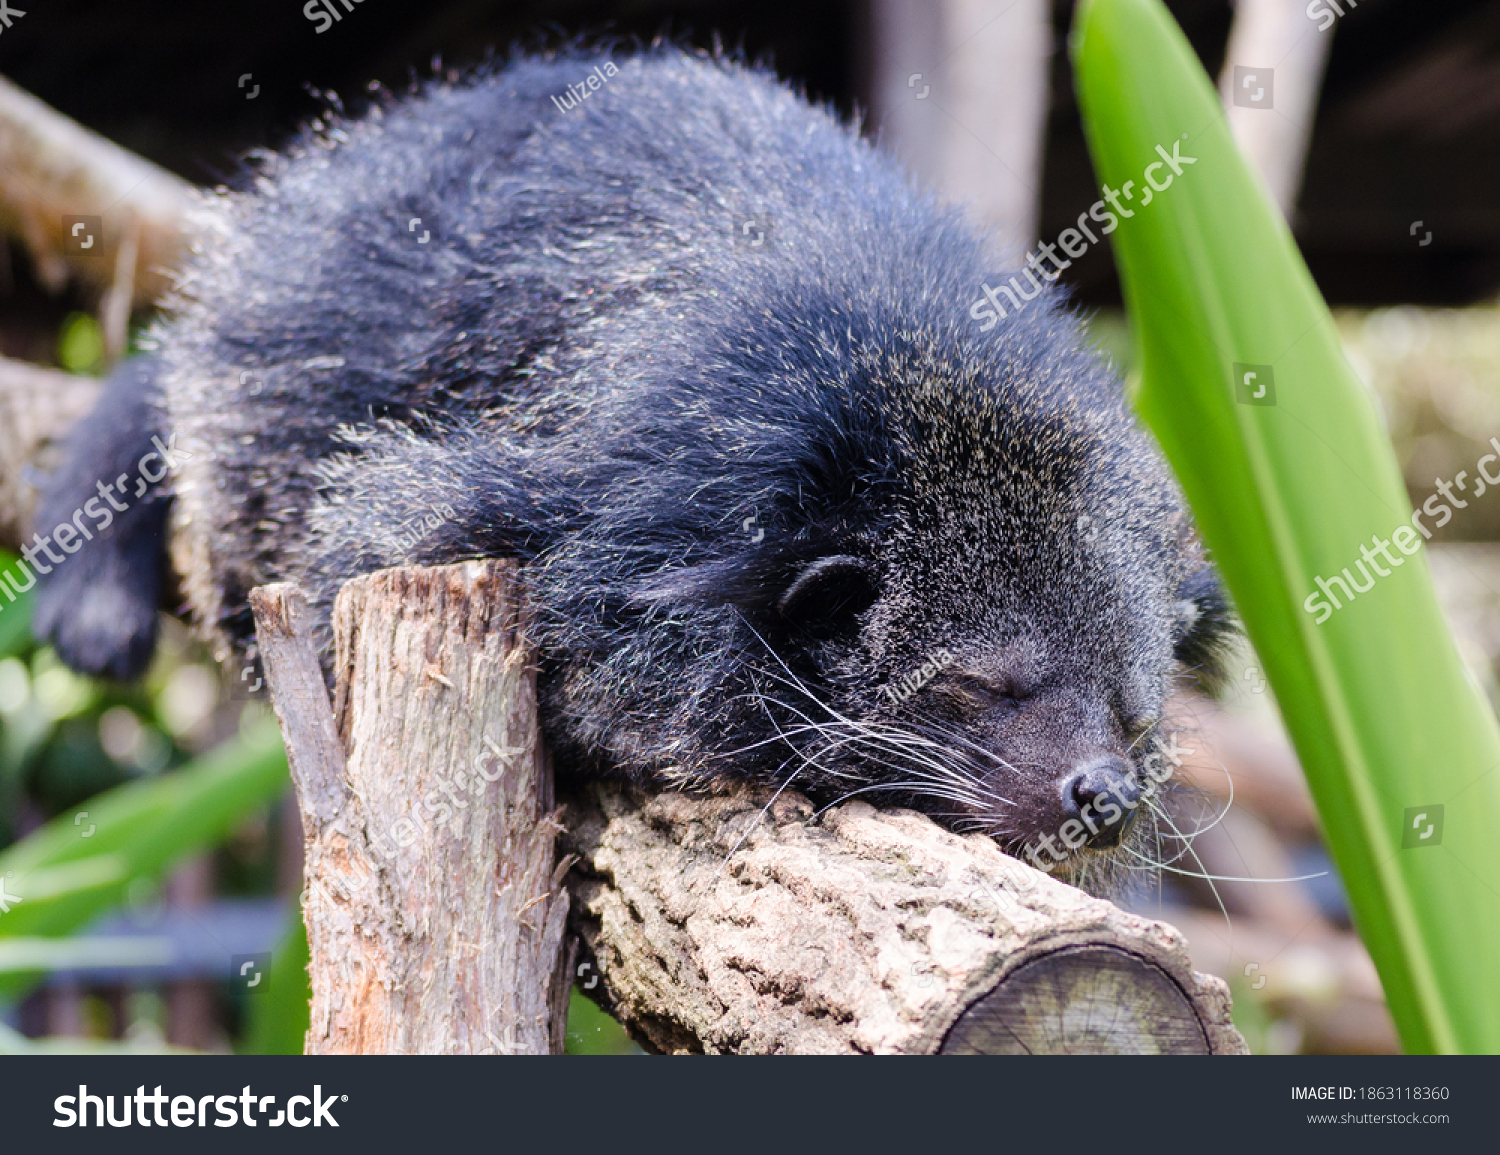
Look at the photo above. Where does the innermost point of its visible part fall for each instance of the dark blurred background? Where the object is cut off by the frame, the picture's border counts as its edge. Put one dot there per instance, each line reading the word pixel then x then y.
pixel 1407 125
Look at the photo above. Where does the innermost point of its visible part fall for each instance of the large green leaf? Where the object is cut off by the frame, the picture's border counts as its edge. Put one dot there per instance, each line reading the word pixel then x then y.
pixel 279 1018
pixel 1386 721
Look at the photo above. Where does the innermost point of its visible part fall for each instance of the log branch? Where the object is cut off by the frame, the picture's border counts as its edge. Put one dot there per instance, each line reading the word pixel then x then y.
pixel 53 171
pixel 436 911
pixel 717 929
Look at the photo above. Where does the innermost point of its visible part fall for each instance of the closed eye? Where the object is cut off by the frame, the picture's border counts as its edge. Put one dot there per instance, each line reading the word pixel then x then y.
pixel 984 693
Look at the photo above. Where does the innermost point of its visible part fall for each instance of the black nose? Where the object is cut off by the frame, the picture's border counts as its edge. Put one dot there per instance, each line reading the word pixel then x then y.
pixel 1102 795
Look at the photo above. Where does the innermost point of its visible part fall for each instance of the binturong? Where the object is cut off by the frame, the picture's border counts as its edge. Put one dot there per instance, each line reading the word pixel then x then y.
pixel 701 359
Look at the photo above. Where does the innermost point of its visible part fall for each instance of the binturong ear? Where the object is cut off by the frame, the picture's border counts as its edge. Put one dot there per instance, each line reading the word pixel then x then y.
pixel 1206 629
pixel 820 599
pixel 827 597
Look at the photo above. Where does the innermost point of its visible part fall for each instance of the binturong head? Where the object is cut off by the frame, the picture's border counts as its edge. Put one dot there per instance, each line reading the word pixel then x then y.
pixel 998 651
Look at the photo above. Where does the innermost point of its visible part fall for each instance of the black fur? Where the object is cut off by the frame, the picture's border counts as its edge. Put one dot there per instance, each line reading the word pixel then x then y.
pixel 98 607
pixel 752 485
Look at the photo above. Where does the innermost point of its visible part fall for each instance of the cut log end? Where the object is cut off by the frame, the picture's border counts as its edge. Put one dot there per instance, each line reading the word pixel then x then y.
pixel 1081 1000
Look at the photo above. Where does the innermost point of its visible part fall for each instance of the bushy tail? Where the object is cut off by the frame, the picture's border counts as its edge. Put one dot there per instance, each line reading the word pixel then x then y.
pixel 99 554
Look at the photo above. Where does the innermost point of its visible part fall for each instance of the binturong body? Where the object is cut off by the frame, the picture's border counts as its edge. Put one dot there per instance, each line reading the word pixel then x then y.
pixel 702 359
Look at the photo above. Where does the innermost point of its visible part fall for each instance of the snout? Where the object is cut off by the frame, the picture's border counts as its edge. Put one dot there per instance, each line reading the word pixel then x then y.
pixel 1101 798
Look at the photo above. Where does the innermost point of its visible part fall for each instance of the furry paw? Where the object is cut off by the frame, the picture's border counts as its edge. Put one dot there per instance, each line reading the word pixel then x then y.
pixel 101 628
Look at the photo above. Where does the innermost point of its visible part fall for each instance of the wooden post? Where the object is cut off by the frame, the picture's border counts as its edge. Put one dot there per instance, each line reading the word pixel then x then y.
pixel 958 89
pixel 434 905
pixel 1286 54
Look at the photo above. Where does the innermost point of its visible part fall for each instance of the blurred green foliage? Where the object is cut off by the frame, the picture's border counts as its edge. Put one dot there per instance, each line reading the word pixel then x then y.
pixel 157 771
pixel 278 1019
pixel 80 345
pixel 592 1032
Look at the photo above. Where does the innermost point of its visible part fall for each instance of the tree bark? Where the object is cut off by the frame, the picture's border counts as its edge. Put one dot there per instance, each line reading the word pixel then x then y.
pixel 717 925
pixel 434 906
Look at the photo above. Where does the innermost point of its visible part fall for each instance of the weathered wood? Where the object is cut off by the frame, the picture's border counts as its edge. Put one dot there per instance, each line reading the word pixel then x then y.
pixel 315 752
pixel 959 91
pixel 38 407
pixel 434 904
pixel 1278 40
pixel 718 930
pixel 53 169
